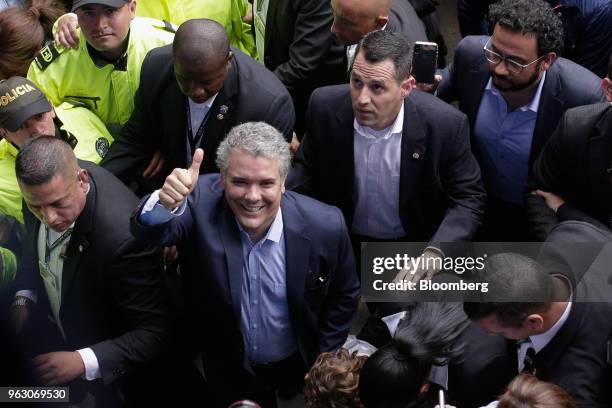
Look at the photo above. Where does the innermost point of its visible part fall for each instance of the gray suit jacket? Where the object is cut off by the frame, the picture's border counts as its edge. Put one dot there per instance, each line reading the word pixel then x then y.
pixel 575 164
pixel 404 20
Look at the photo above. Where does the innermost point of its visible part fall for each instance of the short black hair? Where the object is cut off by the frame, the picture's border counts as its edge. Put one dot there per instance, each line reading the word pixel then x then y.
pixel 530 16
pixel 42 158
pixel 381 45
pixel 518 286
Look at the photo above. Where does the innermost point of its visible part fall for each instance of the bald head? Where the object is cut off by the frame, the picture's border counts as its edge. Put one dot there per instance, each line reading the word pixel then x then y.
pixel 353 19
pixel 200 40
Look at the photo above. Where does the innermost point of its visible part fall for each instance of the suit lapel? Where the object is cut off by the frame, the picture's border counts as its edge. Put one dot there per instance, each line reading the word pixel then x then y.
pixel 550 355
pixel 78 240
pixel 175 112
pixel 477 77
pixel 270 17
pixel 412 155
pixel 343 134
pixel 230 237
pixel 600 156
pixel 549 112
pixel 219 119
pixel 297 243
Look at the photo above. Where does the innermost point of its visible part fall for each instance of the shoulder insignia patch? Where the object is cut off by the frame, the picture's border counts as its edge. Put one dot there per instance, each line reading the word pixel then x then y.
pixel 168 26
pixel 46 56
pixel 69 138
pixel 102 146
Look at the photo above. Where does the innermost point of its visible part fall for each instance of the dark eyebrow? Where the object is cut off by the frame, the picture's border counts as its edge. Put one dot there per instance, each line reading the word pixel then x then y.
pixel 510 57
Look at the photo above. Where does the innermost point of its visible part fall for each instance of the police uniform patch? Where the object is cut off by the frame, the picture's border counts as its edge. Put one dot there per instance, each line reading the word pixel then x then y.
pixel 168 26
pixel 46 56
pixel 102 146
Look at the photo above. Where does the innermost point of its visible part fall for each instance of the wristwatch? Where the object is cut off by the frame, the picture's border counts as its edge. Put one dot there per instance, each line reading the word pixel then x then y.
pixel 21 301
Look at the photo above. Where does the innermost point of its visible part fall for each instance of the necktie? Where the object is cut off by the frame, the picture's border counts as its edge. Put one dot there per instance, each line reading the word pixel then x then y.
pixel 529 361
pixel 526 356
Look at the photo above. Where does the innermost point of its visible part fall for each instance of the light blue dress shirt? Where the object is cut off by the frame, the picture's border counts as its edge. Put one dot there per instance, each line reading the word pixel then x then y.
pixel 264 319
pixel 503 143
pixel 265 322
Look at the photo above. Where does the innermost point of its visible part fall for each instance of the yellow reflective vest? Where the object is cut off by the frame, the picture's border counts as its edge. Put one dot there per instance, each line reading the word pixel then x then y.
pixel 83 130
pixel 229 13
pixel 70 75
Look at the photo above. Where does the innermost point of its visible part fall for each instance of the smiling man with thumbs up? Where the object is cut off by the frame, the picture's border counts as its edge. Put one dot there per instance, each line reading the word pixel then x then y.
pixel 269 275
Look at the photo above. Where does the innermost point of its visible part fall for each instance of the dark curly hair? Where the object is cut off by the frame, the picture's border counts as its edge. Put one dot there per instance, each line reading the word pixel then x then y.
pixel 333 380
pixel 530 16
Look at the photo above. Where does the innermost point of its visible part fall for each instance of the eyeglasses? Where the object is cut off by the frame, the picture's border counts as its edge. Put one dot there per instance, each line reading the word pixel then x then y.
pixel 513 66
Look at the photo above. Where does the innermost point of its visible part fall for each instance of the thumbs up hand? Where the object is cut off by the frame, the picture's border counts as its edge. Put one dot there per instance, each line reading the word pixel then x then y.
pixel 180 183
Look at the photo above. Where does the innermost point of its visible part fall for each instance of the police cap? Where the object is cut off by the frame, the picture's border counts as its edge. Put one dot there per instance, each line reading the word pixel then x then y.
pixel 111 3
pixel 20 99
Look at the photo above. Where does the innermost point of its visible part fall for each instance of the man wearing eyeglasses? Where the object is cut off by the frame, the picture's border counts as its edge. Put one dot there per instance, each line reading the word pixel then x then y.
pixel 514 88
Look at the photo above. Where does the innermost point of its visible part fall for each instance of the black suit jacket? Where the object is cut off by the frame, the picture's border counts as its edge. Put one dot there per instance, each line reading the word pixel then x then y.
pixel 111 298
pixel 322 285
pixel 404 20
pixel 441 193
pixel 576 358
pixel 567 85
pixel 300 48
pixel 159 120
pixel 574 165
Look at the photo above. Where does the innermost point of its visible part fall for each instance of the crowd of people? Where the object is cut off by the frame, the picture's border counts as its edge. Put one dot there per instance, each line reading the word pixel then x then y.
pixel 186 187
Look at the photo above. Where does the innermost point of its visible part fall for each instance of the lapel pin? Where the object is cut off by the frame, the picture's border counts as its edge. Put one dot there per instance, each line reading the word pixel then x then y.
pixel 416 155
pixel 223 109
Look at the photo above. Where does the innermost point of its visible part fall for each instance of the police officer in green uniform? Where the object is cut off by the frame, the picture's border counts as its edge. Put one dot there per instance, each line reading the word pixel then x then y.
pixel 231 14
pixel 103 72
pixel 26 112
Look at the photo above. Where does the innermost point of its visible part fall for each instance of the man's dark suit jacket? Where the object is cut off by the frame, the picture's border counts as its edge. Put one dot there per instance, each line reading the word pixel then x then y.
pixel 575 359
pixel 299 47
pixel 159 120
pixel 574 165
pixel 111 299
pixel 404 20
pixel 441 193
pixel 567 85
pixel 301 50
pixel 322 286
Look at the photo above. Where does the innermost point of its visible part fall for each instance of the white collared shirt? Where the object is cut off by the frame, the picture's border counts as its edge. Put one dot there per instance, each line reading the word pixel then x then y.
pixel 540 341
pixel 377 180
pixel 198 112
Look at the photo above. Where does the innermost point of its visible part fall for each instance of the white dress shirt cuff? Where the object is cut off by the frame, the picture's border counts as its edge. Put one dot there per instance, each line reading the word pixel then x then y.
pixel 92 368
pixel 30 294
pixel 153 213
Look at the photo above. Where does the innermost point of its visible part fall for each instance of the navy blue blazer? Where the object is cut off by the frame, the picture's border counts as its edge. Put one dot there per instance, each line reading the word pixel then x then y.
pixel 567 85
pixel 322 285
